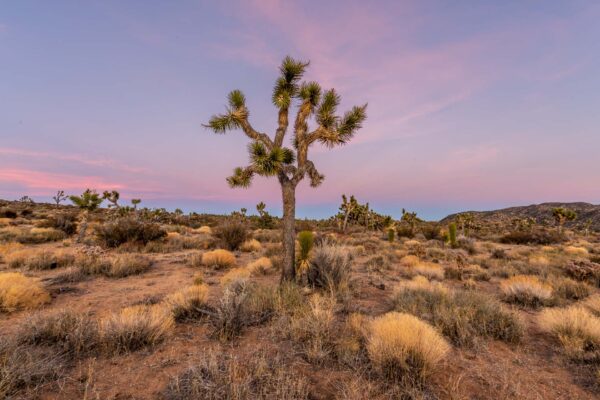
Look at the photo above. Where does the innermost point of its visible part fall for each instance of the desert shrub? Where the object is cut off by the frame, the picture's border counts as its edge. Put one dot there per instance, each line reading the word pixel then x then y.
pixel 8 213
pixel 68 275
pixel 330 268
pixel 542 237
pixel 207 230
pixel 527 290
pixel 467 244
pixel 230 316
pixel 19 292
pixel 459 315
pixel 401 346
pixel 391 235
pixel 569 289
pixel 128 264
pixel 188 303
pixel 66 223
pixel 432 232
pixel 177 242
pixel 405 231
pixel 499 254
pixel 313 328
pixel 128 229
pixel 92 264
pixel 232 234
pixel 306 240
pixel 222 376
pixel 379 262
pixel 39 235
pixel 409 261
pixel 39 259
pixel 72 334
pixel 584 271
pixel 577 330
pixel 24 369
pixel 251 245
pixel 592 304
pixel 135 327
pixel 576 251
pixel 218 259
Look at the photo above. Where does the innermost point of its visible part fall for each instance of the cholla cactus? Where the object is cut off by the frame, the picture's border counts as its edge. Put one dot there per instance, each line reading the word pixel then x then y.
pixel 562 215
pixel 88 202
pixel 59 198
pixel 268 155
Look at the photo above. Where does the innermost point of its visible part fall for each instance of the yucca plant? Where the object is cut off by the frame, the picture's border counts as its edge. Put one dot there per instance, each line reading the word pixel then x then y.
pixel 452 234
pixel 306 241
pixel 269 156
pixel 88 202
pixel 562 215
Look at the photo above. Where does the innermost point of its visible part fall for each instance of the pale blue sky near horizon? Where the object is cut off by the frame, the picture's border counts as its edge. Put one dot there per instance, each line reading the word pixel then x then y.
pixel 472 105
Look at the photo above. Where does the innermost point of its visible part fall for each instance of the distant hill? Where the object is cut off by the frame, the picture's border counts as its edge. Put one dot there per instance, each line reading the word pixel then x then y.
pixel 542 213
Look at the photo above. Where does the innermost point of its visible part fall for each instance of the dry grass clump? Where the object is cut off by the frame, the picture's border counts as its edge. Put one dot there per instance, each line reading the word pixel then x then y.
pixel 25 369
pixel 409 261
pixel 135 327
pixel 569 289
pixel 71 333
pixel 539 261
pixel 429 270
pixel 8 248
pixel 128 229
pixel 527 290
pixel 30 235
pixel 218 259
pixel 313 328
pixel 576 251
pixel 462 316
pixel 206 230
pixel 18 292
pixel 577 330
pixel 330 268
pixel 223 376
pixel 128 264
pixel 188 303
pixel 251 245
pixel 261 266
pixel 39 259
pixel 401 346
pixel 235 274
pixel 592 304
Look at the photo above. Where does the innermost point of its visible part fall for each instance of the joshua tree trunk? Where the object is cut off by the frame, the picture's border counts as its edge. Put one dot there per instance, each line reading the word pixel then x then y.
pixel 83 224
pixel 288 191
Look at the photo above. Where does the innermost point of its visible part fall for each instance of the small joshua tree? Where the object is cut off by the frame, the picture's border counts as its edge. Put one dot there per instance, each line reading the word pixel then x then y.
pixel 135 203
pixel 347 207
pixel 88 202
pixel 268 155
pixel 265 220
pixel 112 197
pixel 562 215
pixel 59 198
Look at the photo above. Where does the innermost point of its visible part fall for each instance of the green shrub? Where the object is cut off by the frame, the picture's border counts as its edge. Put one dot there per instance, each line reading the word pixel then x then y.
pixel 452 234
pixel 306 240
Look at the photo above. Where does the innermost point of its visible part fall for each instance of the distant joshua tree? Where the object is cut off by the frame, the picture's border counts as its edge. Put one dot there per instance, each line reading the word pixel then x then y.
pixel 269 157
pixel 26 199
pixel 135 203
pixel 60 197
pixel 112 197
pixel 562 215
pixel 347 207
pixel 265 220
pixel 88 202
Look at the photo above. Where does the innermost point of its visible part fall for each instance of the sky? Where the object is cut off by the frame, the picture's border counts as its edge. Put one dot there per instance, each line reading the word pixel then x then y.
pixel 471 105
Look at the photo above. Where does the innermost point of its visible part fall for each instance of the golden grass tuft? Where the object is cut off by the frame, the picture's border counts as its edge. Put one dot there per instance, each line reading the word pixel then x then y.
pixel 128 264
pixel 234 275
pixel 135 327
pixel 402 345
pixel 593 304
pixel 218 259
pixel 576 251
pixel 538 260
pixel 261 266
pixel 251 245
pixel 204 230
pixel 409 261
pixel 526 289
pixel 575 327
pixel 429 270
pixel 19 292
pixel 185 303
pixel 35 259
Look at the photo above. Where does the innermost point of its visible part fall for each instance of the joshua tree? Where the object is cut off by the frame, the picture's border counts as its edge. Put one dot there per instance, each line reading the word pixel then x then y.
pixel 88 202
pixel 60 197
pixel 347 207
pixel 562 215
pixel 135 203
pixel 268 155
pixel 411 219
pixel 112 197
pixel 265 220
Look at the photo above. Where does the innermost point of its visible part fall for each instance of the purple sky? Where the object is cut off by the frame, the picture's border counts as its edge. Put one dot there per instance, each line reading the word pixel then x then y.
pixel 472 105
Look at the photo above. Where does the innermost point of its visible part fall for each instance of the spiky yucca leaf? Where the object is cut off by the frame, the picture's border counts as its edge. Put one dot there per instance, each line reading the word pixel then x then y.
pixel 288 156
pixel 242 177
pixel 292 70
pixel 236 99
pixel 351 122
pixel 223 123
pixel 311 92
pixel 283 93
pixel 326 113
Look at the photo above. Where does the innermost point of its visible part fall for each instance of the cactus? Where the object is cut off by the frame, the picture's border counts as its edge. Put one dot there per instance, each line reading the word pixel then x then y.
pixel 391 233
pixel 269 157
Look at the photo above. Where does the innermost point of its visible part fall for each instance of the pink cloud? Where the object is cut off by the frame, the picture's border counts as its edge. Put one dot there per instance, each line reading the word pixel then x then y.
pixel 53 181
